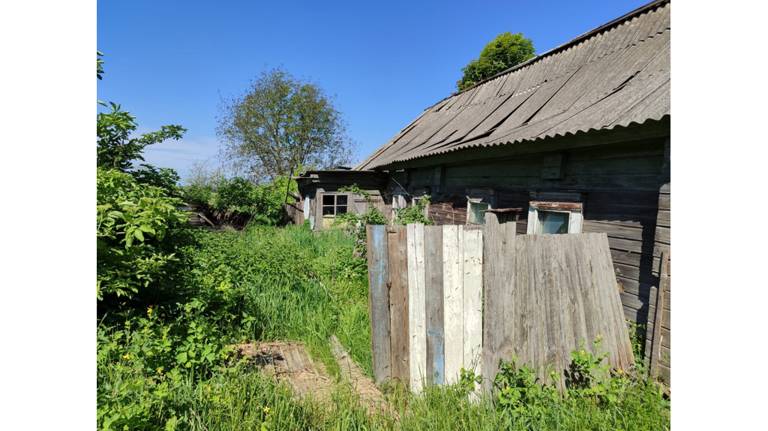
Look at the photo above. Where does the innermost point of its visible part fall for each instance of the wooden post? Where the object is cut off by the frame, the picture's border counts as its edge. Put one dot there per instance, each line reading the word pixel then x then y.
pixel 657 323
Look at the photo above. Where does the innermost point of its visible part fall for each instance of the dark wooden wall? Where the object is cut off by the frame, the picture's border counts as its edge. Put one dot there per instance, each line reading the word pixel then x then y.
pixel 618 184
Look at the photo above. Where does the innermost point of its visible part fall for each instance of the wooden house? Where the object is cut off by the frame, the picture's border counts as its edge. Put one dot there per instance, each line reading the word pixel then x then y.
pixel 574 140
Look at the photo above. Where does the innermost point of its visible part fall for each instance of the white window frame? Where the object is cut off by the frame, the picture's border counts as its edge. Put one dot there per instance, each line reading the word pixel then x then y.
pixel 398 201
pixel 575 211
pixel 471 201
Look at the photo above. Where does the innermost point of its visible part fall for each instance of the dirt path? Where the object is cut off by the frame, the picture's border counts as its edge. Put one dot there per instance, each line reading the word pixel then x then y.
pixel 289 362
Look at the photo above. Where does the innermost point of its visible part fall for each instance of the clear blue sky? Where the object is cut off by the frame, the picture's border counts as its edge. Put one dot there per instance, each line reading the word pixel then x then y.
pixel 383 62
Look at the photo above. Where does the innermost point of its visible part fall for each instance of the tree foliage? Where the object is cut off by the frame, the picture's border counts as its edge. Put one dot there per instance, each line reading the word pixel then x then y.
pixel 503 52
pixel 282 123
pixel 117 147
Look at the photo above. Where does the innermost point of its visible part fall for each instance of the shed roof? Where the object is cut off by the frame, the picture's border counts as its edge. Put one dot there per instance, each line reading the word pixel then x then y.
pixel 612 76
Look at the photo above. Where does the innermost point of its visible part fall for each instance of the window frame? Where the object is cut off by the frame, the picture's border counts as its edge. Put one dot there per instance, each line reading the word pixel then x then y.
pixel 575 211
pixel 335 204
pixel 476 201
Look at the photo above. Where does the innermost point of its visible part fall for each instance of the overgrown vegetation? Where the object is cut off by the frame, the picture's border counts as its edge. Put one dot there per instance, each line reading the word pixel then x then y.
pixel 237 201
pixel 167 364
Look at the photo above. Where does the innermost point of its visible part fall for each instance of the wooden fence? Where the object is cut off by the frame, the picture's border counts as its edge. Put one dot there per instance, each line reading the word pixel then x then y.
pixel 448 297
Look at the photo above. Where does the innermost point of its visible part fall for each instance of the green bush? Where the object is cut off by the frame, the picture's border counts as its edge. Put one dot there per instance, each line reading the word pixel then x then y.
pixel 238 200
pixel 133 224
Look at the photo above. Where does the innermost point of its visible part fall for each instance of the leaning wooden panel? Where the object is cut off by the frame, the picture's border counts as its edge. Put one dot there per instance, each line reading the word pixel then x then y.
pixel 378 301
pixel 398 302
pixel 453 300
pixel 472 283
pixel 563 297
pixel 417 333
pixel 433 264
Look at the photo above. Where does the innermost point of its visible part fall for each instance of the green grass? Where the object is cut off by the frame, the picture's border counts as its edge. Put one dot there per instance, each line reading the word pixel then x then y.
pixel 164 364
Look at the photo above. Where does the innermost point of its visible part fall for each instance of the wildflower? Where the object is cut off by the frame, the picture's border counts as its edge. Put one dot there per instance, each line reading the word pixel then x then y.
pixel 127 356
pixel 266 410
pixel 149 311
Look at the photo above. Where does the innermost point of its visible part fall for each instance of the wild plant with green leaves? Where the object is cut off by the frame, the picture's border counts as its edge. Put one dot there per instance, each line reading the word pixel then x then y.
pixel 416 213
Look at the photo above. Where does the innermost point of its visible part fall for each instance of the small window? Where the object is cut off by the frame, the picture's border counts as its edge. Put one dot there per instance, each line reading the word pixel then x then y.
pixel 476 211
pixel 554 217
pixel 334 204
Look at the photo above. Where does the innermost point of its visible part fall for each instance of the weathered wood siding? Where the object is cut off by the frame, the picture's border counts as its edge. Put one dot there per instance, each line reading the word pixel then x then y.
pixel 618 184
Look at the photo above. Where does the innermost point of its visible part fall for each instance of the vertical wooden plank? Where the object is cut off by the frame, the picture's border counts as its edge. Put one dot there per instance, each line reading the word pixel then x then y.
pixel 378 301
pixel 656 345
pixel 398 302
pixel 453 302
pixel 472 284
pixel 416 307
pixel 498 284
pixel 433 265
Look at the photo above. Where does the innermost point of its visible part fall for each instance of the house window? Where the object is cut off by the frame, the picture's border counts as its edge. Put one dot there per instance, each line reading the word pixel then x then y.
pixel 476 211
pixel 334 205
pixel 554 217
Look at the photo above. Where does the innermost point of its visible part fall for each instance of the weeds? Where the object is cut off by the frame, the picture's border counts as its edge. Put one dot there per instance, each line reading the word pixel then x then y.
pixel 166 365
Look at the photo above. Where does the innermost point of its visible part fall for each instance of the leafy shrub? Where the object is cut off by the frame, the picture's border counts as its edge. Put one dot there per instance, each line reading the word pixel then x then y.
pixel 164 178
pixel 355 224
pixel 238 200
pixel 414 213
pixel 133 222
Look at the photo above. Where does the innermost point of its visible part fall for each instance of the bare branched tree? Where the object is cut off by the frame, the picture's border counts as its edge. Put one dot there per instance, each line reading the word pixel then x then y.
pixel 281 124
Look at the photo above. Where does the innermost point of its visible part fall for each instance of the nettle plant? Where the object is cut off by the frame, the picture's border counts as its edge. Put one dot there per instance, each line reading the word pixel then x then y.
pixel 354 223
pixel 415 213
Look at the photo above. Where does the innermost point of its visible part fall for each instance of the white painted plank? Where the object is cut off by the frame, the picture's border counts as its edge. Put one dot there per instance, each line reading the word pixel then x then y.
pixel 416 307
pixel 453 300
pixel 473 305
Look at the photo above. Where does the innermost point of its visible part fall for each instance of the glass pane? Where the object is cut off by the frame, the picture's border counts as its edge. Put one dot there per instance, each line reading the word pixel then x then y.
pixel 341 199
pixel 477 212
pixel 328 199
pixel 327 210
pixel 341 209
pixel 553 222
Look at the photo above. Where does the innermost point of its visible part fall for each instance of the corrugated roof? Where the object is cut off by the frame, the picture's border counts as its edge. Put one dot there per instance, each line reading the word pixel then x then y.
pixel 613 76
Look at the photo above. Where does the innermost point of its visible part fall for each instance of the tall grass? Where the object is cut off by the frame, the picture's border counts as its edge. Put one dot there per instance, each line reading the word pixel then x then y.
pixel 167 366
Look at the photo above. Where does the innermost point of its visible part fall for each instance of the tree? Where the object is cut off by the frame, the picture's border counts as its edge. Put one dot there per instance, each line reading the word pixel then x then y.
pixel 280 124
pixel 503 52
pixel 116 148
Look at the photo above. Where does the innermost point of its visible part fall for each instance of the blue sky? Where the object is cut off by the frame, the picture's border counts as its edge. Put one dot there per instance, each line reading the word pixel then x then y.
pixel 172 62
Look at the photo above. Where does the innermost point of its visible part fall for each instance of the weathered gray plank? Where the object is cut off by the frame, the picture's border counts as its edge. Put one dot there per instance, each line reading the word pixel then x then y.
pixel 472 282
pixel 377 252
pixel 433 264
pixel 453 300
pixel 498 309
pixel 398 302
pixel 417 307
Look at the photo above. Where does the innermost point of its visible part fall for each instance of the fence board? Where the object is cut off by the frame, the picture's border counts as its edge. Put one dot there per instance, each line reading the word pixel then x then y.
pixel 453 301
pixel 417 306
pixel 378 271
pixel 433 265
pixel 473 305
pixel 398 302
pixel 497 239
pixel 466 298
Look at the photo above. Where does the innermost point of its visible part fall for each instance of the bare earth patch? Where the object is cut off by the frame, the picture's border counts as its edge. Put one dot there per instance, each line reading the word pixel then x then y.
pixel 289 362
